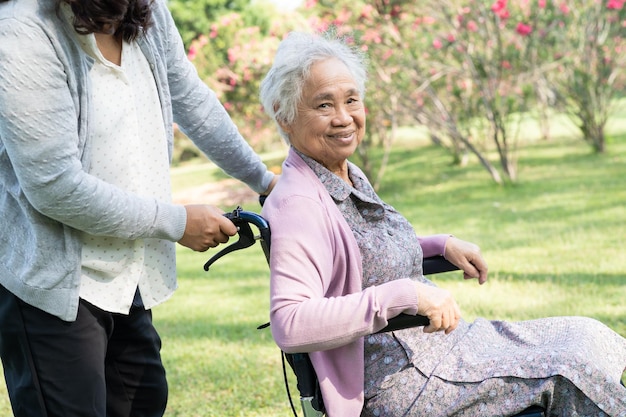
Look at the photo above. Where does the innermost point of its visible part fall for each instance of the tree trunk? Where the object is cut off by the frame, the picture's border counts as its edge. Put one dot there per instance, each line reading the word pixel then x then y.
pixel 594 134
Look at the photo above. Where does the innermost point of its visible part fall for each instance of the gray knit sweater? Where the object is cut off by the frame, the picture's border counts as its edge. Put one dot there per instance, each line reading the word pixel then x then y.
pixel 46 194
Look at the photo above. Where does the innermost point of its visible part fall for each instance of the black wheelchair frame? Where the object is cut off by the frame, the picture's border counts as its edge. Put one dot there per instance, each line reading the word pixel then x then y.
pixel 310 396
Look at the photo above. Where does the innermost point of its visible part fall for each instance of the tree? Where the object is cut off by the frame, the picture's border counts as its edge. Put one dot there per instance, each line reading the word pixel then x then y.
pixel 591 76
pixel 459 67
pixel 468 69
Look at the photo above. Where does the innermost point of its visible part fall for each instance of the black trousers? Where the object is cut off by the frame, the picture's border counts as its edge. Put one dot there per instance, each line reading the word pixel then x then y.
pixel 101 365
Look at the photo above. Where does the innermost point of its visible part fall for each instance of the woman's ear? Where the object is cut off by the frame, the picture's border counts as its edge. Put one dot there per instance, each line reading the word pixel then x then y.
pixel 281 123
pixel 284 126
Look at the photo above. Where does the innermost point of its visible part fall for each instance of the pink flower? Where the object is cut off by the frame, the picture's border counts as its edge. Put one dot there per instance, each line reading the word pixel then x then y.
pixel 498 5
pixel 395 11
pixel 542 4
pixel 232 55
pixel 506 65
pixel 523 29
pixel 437 44
pixel 193 52
pixel 202 40
pixel 213 33
pixel 564 8
pixel 472 26
pixel 371 35
pixel 366 11
pixel 450 38
pixel 499 8
pixel 342 17
pixel 615 4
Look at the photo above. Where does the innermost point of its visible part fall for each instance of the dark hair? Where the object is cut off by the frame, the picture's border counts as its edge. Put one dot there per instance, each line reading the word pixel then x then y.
pixel 129 17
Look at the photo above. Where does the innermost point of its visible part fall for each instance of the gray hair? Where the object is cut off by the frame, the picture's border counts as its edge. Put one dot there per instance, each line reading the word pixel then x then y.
pixel 281 90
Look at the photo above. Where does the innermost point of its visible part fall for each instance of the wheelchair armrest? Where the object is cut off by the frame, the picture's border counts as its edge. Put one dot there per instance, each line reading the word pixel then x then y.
pixel 437 265
pixel 404 321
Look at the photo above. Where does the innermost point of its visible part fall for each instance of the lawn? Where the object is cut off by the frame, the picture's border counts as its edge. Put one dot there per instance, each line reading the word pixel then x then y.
pixel 554 242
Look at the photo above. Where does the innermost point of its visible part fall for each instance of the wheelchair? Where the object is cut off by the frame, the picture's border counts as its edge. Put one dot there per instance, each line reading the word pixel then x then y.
pixel 311 401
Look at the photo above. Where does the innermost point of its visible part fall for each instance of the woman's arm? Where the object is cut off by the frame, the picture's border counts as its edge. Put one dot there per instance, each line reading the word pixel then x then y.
pixel 433 245
pixel 316 297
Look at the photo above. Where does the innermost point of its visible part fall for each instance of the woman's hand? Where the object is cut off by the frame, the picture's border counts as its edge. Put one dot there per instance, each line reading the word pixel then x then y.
pixel 206 227
pixel 439 306
pixel 466 256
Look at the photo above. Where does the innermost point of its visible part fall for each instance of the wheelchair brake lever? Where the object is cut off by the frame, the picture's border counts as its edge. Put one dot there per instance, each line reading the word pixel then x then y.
pixel 246 237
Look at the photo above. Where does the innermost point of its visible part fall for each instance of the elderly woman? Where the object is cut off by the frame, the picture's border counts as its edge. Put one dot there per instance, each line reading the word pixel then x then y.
pixel 343 262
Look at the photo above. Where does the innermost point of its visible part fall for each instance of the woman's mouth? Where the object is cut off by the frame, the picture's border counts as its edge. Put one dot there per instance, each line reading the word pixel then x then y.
pixel 343 136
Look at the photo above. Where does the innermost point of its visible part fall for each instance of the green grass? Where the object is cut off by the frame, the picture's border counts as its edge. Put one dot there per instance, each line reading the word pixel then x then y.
pixel 554 242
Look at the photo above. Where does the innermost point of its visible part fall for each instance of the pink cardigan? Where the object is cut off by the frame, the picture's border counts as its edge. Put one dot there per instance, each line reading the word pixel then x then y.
pixel 317 303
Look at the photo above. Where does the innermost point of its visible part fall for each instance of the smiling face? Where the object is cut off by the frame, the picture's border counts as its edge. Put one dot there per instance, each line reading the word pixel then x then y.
pixel 331 117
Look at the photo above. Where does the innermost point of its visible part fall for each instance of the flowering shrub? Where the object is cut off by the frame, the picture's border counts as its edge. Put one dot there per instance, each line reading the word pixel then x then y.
pixel 591 74
pixel 232 58
pixel 468 68
pixel 457 67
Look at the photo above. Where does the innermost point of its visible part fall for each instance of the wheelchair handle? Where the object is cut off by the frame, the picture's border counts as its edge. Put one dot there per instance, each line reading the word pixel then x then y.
pixel 242 219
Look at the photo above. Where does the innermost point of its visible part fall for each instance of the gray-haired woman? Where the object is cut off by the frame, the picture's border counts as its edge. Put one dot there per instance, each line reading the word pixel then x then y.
pixel 355 262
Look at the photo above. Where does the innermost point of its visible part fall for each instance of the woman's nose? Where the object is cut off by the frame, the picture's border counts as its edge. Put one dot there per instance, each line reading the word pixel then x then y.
pixel 342 116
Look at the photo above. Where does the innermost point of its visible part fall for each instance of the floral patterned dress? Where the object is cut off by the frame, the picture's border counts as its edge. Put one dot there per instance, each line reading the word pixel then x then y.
pixel 569 365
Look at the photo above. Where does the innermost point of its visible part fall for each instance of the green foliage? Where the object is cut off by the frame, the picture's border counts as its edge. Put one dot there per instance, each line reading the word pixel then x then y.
pixel 198 17
pixel 195 17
